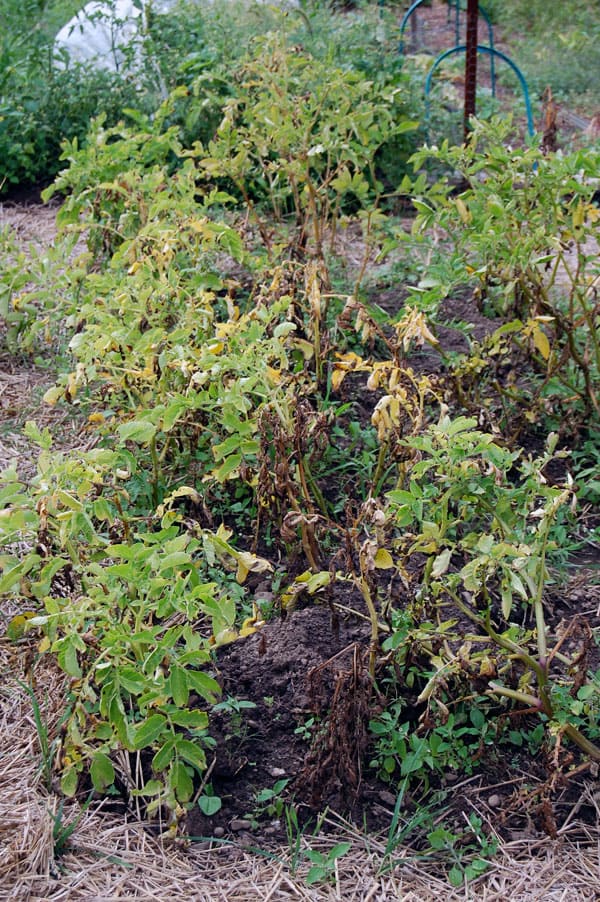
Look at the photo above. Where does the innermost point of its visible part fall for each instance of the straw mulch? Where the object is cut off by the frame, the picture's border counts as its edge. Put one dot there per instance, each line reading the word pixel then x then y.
pixel 109 857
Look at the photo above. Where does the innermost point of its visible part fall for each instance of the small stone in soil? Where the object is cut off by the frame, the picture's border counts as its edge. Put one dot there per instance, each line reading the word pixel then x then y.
pixel 239 823
pixel 388 798
pixel 494 801
pixel 218 832
pixel 276 772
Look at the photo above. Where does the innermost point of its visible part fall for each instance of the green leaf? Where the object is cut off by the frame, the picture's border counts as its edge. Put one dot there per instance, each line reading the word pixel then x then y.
pixel 102 772
pixel 440 838
pixel 316 873
pixel 178 686
pixel 227 467
pixel 180 781
pixel 209 805
pixel 68 660
pixel 204 685
pixel 148 731
pixel 177 559
pixel 342 848
pixel 141 431
pixel 455 876
pixel 132 680
pixel 191 752
pixel 164 755
pixel 190 720
pixel 69 781
pixel 477 718
pixel 13 576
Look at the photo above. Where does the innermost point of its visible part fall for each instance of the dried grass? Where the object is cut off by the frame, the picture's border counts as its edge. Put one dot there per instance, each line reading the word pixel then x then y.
pixel 111 857
pixel 32 223
pixel 22 387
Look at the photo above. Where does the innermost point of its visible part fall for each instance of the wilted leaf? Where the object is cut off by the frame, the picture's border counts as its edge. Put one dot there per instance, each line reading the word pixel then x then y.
pixel 383 560
pixel 441 563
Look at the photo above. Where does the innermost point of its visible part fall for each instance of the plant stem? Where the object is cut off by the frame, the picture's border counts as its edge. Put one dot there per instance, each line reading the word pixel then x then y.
pixel 365 591
pixel 155 469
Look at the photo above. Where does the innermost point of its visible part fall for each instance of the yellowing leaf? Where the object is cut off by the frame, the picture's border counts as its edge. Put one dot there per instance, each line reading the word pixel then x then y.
pixel 72 386
pixel 184 491
pixel 463 211
pixel 540 340
pixel 306 347
pixel 199 226
pixel 223 330
pixel 247 562
pixel 53 394
pixel 273 375
pixel 247 630
pixel 337 377
pixel 96 418
pixel 224 637
pixel 578 215
pixel 17 627
pixel 318 581
pixel 383 560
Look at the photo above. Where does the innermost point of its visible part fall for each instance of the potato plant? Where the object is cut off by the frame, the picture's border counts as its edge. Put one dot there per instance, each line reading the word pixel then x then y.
pixel 522 234
pixel 486 540
pixel 125 606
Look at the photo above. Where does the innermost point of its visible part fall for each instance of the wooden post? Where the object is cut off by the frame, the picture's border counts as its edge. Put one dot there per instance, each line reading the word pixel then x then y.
pixel 471 63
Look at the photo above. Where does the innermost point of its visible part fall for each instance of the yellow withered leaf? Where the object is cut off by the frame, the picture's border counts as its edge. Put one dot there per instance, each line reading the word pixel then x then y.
pixel 96 418
pixel 383 560
pixel 540 340
pixel 305 347
pixel 463 211
pixel 274 375
pixel 337 377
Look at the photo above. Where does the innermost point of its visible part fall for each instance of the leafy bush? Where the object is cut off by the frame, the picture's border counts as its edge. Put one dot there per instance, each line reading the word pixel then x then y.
pixel 556 44
pixel 40 105
pixel 519 236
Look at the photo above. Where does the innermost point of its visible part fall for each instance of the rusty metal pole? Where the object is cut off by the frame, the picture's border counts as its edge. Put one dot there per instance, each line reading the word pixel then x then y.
pixel 471 63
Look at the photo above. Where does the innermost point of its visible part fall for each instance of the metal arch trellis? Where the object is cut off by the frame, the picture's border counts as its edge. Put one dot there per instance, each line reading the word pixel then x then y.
pixel 480 49
pixel 456 3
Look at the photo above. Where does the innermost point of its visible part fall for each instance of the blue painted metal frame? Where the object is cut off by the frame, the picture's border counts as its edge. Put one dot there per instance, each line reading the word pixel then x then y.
pixel 461 48
pixel 413 8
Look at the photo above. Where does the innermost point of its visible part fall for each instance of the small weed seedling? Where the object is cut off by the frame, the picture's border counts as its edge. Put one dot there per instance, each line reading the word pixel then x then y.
pixel 324 864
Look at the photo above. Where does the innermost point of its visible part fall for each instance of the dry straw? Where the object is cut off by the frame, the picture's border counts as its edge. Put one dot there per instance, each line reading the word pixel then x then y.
pixel 109 857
